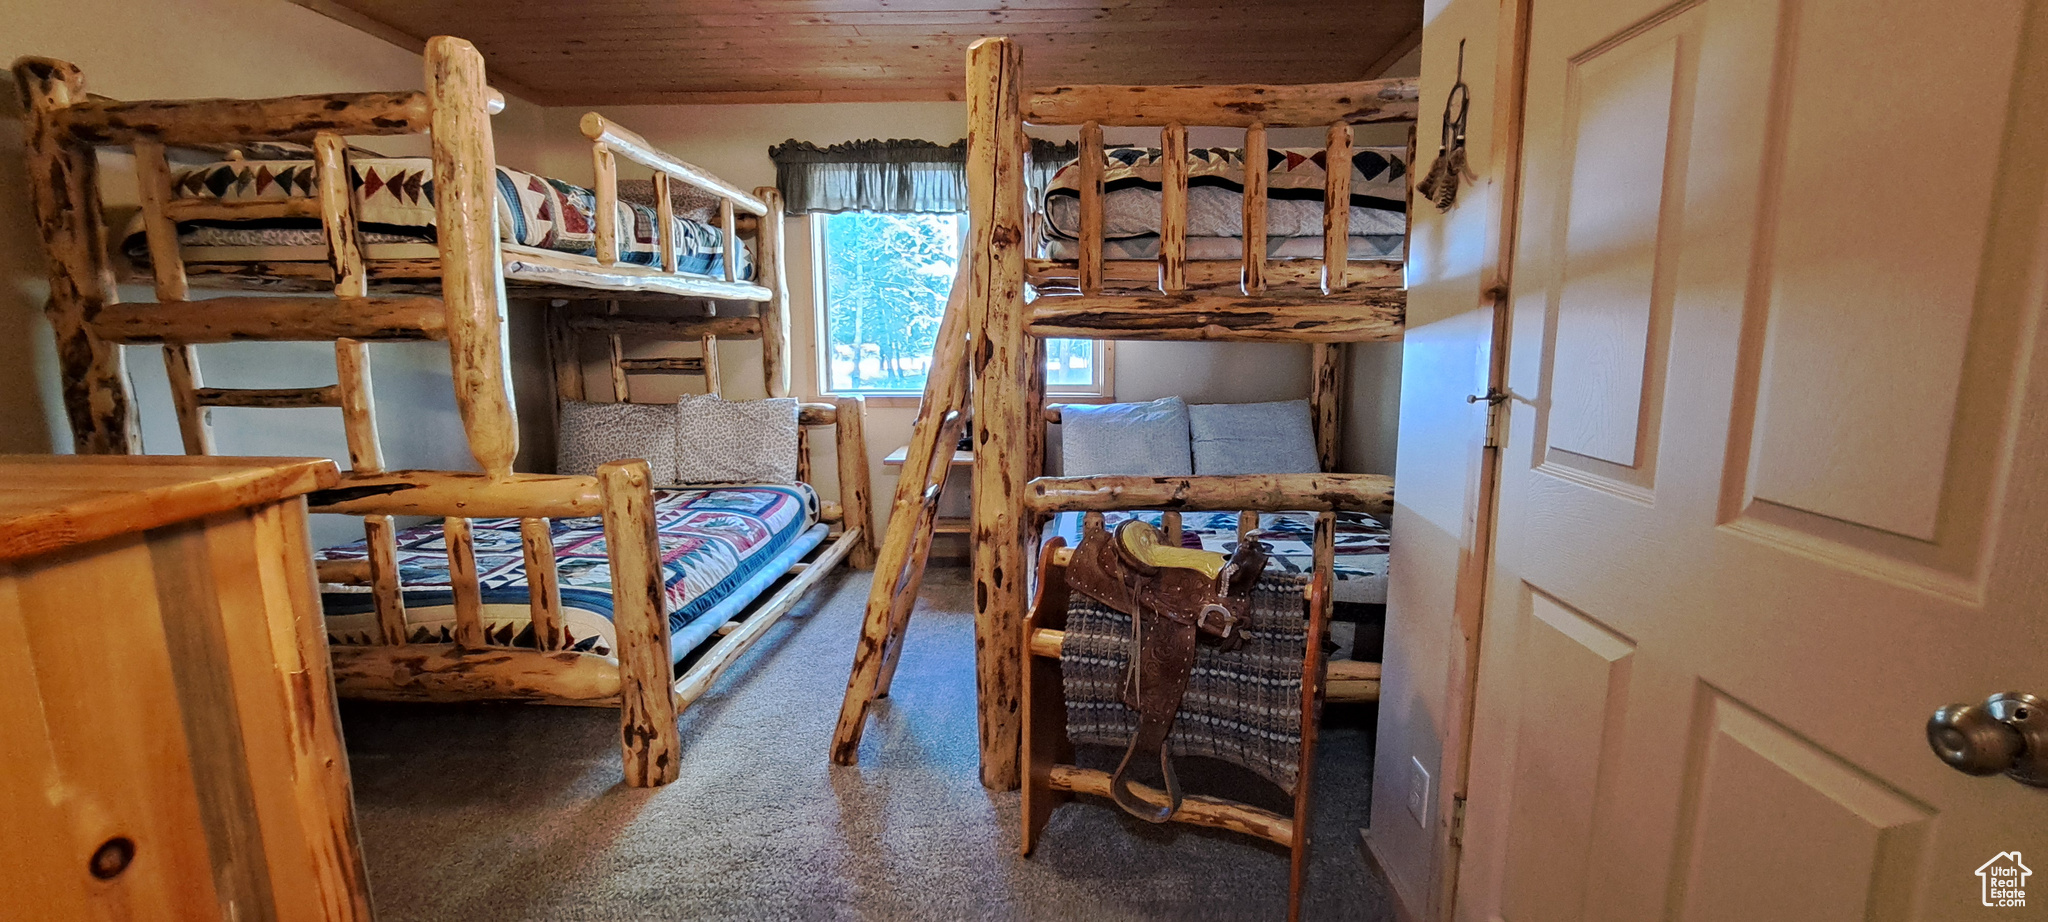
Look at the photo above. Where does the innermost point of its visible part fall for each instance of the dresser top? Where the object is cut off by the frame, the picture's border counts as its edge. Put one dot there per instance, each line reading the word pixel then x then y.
pixel 51 502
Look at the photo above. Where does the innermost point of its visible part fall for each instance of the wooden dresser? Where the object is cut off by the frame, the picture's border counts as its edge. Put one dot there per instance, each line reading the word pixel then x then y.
pixel 167 719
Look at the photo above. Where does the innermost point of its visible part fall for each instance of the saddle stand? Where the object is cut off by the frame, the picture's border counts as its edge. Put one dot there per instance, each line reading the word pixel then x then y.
pixel 1176 599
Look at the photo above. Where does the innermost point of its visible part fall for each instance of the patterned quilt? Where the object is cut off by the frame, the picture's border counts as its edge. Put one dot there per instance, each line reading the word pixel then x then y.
pixel 1362 543
pixel 1295 179
pixel 395 204
pixel 1362 246
pixel 713 541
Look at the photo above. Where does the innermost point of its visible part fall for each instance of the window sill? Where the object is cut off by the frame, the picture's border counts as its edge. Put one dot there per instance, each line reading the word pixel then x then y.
pixel 884 401
pixel 911 401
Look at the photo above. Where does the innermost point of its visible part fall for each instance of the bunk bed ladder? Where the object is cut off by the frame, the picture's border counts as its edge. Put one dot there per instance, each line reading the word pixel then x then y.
pixel 913 521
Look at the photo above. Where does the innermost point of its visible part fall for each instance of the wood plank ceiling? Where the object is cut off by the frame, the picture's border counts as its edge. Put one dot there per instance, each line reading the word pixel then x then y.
pixel 624 52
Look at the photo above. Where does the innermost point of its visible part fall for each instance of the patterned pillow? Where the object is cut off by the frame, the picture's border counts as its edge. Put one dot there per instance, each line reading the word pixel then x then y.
pixel 593 433
pixel 735 441
pixel 690 203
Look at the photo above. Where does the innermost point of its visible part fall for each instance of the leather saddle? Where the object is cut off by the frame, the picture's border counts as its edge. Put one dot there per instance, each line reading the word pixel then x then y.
pixel 1176 597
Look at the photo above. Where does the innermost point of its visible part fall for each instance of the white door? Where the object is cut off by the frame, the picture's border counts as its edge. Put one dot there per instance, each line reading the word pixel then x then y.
pixel 1775 484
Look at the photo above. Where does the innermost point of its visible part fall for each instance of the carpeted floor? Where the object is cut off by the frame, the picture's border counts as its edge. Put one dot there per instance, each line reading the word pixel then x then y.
pixel 517 813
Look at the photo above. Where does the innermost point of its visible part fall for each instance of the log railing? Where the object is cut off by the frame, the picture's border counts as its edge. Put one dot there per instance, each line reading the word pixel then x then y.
pixel 638 677
pixel 1240 106
pixel 1256 109
pixel 608 141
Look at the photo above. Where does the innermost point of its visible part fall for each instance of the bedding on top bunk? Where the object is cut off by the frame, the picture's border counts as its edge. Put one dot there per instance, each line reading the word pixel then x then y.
pixel 1377 246
pixel 1295 179
pixel 1360 569
pixel 395 208
pixel 721 546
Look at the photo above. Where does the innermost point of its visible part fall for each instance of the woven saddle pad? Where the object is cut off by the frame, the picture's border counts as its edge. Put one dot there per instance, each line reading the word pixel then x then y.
pixel 1242 706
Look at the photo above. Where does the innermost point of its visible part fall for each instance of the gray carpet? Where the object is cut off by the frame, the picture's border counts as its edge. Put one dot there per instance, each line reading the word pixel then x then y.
pixel 516 813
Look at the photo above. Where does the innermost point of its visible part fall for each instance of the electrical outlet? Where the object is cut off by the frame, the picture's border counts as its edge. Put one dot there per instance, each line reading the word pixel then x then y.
pixel 1418 792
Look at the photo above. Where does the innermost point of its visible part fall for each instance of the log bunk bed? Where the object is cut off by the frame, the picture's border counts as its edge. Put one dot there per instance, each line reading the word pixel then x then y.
pixel 354 291
pixel 993 337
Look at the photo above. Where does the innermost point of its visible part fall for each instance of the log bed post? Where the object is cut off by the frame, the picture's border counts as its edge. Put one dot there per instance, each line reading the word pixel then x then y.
pixel 472 276
pixel 460 542
pixel 651 743
pixel 664 219
pixel 543 583
pixel 708 347
pixel 615 358
pixel 564 353
pixel 1326 364
pixel 1337 209
pixel 1254 208
pixel 167 267
pixel 1312 681
pixel 855 508
pixel 1326 400
pixel 1173 208
pixel 1002 370
pixel 63 184
pixel 1091 208
pixel 604 168
pixel 769 273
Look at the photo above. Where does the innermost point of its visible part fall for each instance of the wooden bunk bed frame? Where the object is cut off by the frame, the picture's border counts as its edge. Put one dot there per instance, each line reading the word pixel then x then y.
pixel 461 298
pixel 999 382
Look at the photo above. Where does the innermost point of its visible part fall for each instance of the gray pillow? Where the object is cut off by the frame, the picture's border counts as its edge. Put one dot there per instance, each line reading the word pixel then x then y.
pixel 735 441
pixel 593 433
pixel 1253 438
pixel 1138 439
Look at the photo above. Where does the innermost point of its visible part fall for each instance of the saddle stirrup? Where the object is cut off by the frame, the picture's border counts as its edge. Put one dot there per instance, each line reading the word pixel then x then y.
pixel 1120 788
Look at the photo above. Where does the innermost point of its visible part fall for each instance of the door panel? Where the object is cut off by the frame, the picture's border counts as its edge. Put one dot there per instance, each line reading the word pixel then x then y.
pixel 1877 443
pixel 1855 418
pixel 1809 238
pixel 1626 101
pixel 1764 800
pixel 1579 670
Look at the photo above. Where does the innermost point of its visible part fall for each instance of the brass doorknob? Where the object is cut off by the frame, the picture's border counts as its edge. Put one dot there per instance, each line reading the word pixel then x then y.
pixel 2006 734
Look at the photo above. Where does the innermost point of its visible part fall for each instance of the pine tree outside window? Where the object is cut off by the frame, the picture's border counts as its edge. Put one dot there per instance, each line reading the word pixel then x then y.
pixel 884 278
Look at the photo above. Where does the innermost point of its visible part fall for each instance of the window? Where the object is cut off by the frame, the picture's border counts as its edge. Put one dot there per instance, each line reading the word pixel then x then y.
pixel 884 280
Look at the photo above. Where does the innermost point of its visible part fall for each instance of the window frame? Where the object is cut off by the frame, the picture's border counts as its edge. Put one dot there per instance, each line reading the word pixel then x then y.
pixel 1101 390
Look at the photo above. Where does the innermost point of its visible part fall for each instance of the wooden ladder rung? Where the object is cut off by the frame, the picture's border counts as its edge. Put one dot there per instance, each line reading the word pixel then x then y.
pixel 1195 809
pixel 1355 315
pixel 273 319
pixel 343 572
pixel 691 365
pixel 216 210
pixel 1351 681
pixel 275 398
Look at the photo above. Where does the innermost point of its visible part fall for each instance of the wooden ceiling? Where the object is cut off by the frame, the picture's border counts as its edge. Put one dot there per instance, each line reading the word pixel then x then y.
pixel 623 52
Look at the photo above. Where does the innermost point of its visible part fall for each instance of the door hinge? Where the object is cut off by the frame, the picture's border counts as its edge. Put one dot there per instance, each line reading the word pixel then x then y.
pixel 1458 821
pixel 1496 413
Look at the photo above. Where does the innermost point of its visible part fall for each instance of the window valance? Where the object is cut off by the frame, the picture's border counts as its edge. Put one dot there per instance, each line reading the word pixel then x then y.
pixel 894 175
